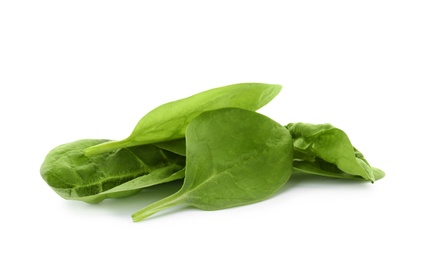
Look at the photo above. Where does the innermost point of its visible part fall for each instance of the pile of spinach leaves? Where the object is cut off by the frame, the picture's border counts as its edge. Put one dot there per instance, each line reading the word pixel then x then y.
pixel 228 154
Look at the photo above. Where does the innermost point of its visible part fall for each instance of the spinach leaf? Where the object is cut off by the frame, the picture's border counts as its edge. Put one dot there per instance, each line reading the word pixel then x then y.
pixel 234 157
pixel 323 149
pixel 73 175
pixel 169 121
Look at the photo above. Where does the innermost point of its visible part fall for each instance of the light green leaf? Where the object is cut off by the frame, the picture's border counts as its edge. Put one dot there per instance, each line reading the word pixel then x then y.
pixel 169 121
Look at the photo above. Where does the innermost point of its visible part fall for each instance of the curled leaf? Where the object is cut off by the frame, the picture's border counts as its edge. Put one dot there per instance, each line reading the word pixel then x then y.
pixel 326 150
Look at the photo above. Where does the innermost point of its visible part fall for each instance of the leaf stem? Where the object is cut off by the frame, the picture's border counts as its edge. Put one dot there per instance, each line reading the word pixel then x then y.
pixel 172 200
pixel 106 147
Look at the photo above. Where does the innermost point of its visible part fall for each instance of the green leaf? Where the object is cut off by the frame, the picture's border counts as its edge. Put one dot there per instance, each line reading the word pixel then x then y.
pixel 323 149
pixel 124 172
pixel 169 121
pixel 234 157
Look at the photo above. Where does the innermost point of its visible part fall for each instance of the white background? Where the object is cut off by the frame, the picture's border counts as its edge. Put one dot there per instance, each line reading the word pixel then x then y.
pixel 91 69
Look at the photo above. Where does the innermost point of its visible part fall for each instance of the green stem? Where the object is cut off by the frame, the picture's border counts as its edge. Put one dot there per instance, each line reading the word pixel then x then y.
pixel 172 200
pixel 106 147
